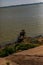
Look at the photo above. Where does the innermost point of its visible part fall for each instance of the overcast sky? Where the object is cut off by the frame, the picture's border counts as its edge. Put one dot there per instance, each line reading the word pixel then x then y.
pixel 16 2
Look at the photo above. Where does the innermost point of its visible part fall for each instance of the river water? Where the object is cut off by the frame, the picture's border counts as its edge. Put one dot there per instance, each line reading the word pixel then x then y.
pixel 13 19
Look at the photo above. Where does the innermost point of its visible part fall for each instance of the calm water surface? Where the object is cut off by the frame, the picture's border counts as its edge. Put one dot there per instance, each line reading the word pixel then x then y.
pixel 13 19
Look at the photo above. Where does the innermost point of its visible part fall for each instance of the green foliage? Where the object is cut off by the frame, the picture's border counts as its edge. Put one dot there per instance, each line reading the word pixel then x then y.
pixel 6 51
pixel 25 46
pixel 34 41
pixel 12 49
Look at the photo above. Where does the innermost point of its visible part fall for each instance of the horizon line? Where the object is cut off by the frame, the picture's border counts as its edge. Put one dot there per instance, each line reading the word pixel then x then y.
pixel 21 5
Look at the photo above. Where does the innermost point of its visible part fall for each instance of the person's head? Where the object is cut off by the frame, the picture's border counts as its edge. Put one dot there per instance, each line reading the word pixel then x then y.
pixel 23 30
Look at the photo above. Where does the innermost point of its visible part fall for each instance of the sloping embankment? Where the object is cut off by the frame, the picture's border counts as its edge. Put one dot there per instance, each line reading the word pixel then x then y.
pixel 28 57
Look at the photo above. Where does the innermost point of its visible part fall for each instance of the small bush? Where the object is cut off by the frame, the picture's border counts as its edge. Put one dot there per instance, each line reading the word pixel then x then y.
pixel 34 41
pixel 25 46
pixel 6 51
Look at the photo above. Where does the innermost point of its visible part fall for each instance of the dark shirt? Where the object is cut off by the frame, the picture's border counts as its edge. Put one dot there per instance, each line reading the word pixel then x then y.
pixel 22 34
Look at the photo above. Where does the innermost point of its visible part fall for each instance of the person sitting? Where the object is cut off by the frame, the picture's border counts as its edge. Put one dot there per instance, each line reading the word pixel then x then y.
pixel 21 36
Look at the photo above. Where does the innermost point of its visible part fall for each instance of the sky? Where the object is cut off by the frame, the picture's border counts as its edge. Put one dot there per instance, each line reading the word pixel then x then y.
pixel 17 2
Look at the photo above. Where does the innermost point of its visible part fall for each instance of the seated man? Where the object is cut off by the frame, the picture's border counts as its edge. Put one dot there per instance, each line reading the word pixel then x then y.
pixel 21 36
